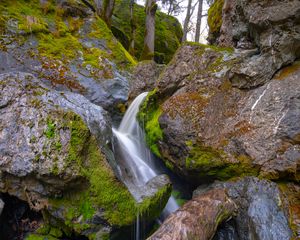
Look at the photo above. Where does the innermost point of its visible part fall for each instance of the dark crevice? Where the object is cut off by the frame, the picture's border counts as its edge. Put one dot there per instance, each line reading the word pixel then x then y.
pixel 17 219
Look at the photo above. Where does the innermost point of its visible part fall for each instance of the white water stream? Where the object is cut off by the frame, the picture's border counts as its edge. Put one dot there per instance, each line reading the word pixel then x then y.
pixel 136 163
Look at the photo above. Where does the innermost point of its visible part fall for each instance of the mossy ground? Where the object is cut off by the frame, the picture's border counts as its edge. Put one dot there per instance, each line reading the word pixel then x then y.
pixel 168 31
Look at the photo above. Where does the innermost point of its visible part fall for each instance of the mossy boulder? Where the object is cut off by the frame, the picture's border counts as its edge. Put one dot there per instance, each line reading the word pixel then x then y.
pixel 168 31
pixel 58 160
pixel 67 46
pixel 205 129
pixel 214 19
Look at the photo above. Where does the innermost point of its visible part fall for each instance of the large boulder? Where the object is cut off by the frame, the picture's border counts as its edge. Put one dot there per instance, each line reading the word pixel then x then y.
pixel 55 155
pixel 270 27
pixel 143 78
pixel 261 208
pixel 205 129
pixel 67 47
pixel 198 218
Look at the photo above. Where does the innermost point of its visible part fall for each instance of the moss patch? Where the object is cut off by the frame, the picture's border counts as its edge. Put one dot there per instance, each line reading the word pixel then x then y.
pixel 151 208
pixel 148 115
pixel 214 18
pixel 208 163
pixel 104 190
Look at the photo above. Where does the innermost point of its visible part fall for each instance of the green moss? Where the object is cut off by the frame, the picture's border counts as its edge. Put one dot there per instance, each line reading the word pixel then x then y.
pixel 169 165
pixel 50 131
pixel 62 48
pixel 104 189
pixel 149 115
pixel 214 18
pixel 209 163
pixel 152 206
pixel 40 237
pixel 118 52
pixel 28 15
pixel 55 232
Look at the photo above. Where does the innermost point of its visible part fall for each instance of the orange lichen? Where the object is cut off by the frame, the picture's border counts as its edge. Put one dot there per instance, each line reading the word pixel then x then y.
pixel 287 71
pixel 187 105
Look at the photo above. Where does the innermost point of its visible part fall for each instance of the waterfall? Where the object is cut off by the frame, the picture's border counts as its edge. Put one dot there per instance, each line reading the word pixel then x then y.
pixel 135 161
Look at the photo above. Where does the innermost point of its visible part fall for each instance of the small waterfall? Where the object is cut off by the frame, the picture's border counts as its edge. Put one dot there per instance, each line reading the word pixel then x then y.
pixel 136 163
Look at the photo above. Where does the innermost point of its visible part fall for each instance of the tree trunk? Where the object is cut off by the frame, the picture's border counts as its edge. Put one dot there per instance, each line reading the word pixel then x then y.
pixel 148 52
pixel 104 9
pixel 199 18
pixel 132 29
pixel 187 21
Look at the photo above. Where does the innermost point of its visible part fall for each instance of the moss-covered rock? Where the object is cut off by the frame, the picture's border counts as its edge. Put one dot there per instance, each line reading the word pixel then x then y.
pixel 63 140
pixel 148 115
pixel 67 46
pixel 168 31
pixel 214 19
pixel 205 129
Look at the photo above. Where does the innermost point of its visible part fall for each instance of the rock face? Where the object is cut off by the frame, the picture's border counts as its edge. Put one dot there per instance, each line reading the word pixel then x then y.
pixel 270 27
pixel 207 129
pixel 67 47
pixel 198 218
pixel 260 212
pixel 143 78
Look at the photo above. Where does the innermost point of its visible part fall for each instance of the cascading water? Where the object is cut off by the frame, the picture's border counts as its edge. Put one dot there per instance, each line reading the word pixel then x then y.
pixel 137 163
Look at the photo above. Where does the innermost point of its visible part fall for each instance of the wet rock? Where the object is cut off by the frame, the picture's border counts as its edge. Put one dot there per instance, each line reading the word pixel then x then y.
pixel 151 188
pixel 206 129
pixel 143 78
pixel 262 25
pixel 198 218
pixel 291 203
pixel 260 208
pixel 54 152
pixel 1 206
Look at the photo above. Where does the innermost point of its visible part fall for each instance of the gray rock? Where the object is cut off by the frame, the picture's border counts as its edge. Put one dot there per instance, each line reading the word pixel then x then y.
pixel 272 28
pixel 260 214
pixel 34 138
pixel 151 188
pixel 143 78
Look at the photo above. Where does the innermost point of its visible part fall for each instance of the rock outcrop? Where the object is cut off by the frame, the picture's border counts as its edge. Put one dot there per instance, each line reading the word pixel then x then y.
pixel 67 47
pixel 198 218
pixel 143 78
pixel 260 205
pixel 204 128
pixel 272 28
